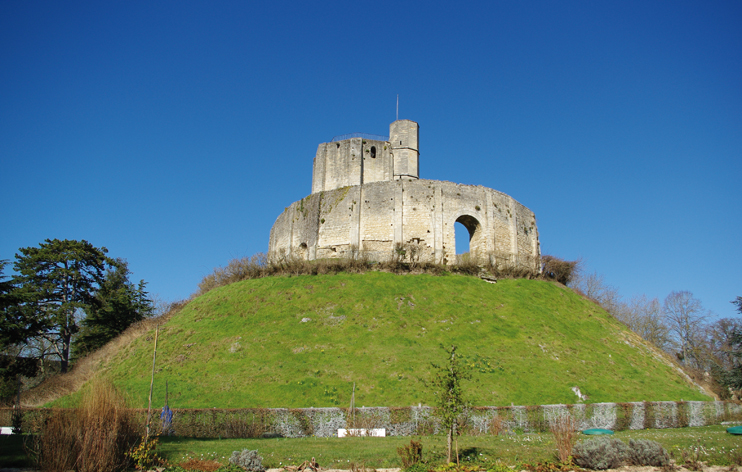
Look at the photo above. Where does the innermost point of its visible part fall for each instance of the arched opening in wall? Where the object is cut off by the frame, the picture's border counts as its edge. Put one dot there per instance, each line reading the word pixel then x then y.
pixel 303 250
pixel 373 152
pixel 469 237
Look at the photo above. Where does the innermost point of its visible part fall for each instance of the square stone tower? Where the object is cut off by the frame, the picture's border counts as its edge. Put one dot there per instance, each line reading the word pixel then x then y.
pixel 403 139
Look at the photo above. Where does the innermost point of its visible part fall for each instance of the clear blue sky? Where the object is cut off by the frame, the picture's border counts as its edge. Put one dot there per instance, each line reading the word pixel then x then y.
pixel 174 133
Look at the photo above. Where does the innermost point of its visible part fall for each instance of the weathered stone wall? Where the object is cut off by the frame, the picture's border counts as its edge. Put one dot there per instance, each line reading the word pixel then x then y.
pixel 367 195
pixel 376 216
pixel 358 161
pixel 351 162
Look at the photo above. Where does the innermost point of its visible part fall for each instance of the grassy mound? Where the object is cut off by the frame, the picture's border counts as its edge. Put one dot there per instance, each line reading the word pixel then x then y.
pixel 303 341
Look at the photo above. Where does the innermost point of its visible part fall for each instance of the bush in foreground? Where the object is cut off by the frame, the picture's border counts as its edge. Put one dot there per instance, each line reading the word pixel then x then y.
pixel 646 452
pixel 93 437
pixel 564 430
pixel 248 460
pixel 600 454
pixel 610 453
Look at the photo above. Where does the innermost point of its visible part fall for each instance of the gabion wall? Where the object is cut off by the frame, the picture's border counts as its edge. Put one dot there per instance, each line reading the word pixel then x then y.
pixel 421 420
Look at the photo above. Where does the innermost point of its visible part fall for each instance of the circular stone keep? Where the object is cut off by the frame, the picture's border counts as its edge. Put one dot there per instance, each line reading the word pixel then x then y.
pixel 368 202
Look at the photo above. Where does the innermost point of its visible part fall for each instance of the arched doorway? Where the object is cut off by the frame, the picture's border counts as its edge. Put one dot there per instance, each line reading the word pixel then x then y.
pixel 469 238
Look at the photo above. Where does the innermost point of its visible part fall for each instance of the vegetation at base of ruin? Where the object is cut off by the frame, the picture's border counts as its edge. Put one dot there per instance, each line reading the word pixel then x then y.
pixel 303 341
pixel 404 259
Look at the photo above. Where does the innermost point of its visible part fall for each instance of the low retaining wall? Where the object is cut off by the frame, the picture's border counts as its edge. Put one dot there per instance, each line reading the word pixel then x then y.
pixel 409 421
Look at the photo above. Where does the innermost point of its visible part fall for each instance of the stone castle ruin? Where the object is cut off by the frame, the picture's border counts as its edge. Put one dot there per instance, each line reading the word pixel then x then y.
pixel 367 196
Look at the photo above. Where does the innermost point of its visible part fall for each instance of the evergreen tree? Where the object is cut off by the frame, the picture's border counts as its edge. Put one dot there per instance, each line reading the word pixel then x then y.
pixel 117 304
pixel 14 330
pixel 733 377
pixel 55 285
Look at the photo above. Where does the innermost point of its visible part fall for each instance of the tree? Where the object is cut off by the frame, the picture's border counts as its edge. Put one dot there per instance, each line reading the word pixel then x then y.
pixel 117 304
pixel 14 329
pixel 55 285
pixel 720 336
pixel 685 318
pixel 448 392
pixel 11 328
pixel 732 376
pixel 647 321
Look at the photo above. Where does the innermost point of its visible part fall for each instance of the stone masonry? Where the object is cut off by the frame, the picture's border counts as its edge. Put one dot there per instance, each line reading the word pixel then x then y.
pixel 367 196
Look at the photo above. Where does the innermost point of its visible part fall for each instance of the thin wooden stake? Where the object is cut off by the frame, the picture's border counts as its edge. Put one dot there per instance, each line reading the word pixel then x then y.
pixel 152 383
pixel 353 404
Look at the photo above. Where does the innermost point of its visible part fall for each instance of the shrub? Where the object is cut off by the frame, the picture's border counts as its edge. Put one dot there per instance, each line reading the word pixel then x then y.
pixel 242 428
pixel 55 448
pixel 95 436
pixel 410 454
pixel 465 264
pixel 497 425
pixel 600 454
pixel 564 430
pixel 419 467
pixel 558 269
pixel 646 452
pixel 248 460
pixel 145 454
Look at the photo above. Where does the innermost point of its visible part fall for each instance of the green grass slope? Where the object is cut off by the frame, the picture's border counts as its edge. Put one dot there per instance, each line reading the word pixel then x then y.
pixel 526 341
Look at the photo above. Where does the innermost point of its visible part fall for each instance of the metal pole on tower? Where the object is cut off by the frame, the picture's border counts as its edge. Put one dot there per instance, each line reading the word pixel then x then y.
pixel 397 107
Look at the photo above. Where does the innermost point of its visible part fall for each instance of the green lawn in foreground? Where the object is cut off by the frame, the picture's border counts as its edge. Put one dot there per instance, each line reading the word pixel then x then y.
pixel 717 448
pixel 527 342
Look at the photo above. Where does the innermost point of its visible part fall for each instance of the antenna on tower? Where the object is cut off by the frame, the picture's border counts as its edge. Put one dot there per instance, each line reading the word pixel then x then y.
pixel 397 107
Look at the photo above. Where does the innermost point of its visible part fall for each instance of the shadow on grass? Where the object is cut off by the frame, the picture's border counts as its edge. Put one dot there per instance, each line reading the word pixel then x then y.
pixel 12 452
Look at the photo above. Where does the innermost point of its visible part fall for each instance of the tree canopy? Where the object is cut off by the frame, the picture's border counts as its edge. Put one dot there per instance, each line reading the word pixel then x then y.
pixel 117 304
pixel 63 284
pixel 733 376
pixel 14 329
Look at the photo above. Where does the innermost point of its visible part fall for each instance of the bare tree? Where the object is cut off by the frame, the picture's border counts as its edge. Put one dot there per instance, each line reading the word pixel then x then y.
pixel 720 335
pixel 685 317
pixel 594 287
pixel 647 320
